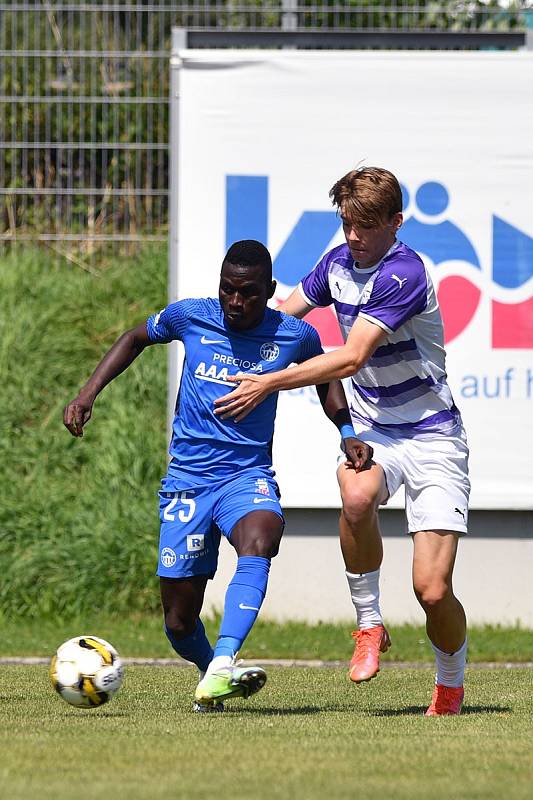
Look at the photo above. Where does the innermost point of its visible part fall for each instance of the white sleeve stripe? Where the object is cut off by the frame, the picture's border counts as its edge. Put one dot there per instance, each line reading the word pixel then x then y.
pixel 376 321
pixel 304 296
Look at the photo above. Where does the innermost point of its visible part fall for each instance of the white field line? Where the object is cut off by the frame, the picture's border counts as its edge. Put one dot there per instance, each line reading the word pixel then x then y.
pixel 279 662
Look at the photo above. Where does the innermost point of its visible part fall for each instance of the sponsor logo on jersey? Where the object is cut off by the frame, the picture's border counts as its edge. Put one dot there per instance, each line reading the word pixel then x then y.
pixel 216 374
pixel 241 363
pixel 212 373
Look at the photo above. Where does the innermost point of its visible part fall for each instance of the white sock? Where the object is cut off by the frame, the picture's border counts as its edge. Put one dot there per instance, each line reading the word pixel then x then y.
pixel 450 668
pixel 219 662
pixel 364 588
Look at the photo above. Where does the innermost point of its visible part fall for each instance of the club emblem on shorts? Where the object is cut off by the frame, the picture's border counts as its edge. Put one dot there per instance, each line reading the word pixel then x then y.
pixel 261 486
pixel 168 557
pixel 195 542
pixel 269 351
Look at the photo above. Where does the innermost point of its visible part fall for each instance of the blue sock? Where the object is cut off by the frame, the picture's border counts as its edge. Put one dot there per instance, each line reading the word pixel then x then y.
pixel 195 648
pixel 244 597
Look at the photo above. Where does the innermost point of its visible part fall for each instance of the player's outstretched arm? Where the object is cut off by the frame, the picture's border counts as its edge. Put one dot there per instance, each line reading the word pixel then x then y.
pixel 333 400
pixel 125 350
pixel 363 339
pixel 295 305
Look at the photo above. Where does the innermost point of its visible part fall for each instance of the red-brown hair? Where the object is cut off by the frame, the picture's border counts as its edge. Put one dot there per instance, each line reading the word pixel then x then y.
pixel 368 196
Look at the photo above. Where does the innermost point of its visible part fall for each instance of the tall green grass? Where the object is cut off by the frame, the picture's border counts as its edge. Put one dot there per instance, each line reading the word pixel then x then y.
pixel 140 635
pixel 77 523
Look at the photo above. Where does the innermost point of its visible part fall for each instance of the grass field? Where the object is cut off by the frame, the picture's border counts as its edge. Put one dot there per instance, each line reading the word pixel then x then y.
pixel 309 734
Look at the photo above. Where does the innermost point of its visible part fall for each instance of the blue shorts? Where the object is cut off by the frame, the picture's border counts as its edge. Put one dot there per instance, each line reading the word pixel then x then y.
pixel 192 520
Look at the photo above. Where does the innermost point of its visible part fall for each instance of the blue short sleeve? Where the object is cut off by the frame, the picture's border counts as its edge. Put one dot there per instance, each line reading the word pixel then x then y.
pixel 169 324
pixel 310 344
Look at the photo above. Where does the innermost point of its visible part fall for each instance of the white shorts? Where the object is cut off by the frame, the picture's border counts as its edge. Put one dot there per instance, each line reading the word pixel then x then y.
pixel 434 471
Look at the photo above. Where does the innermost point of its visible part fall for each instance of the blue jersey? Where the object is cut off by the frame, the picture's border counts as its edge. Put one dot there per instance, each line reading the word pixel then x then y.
pixel 205 447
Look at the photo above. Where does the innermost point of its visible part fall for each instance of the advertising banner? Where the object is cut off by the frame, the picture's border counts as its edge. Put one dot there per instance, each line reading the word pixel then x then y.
pixel 262 138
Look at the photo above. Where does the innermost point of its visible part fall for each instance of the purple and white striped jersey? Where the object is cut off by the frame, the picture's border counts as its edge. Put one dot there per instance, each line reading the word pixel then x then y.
pixel 402 389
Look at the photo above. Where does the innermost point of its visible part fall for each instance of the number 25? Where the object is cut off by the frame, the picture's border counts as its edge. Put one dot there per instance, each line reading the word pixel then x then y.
pixel 184 515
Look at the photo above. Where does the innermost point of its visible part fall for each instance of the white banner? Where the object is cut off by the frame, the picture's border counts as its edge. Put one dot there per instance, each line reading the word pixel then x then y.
pixel 262 138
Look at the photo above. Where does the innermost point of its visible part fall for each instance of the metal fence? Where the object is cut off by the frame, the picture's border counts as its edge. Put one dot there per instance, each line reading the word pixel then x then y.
pixel 84 88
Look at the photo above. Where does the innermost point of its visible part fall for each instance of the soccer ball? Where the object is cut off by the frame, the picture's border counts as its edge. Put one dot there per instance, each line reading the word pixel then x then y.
pixel 86 671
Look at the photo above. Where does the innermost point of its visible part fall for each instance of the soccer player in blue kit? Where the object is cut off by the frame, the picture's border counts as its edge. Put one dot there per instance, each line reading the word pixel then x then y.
pixel 401 404
pixel 220 477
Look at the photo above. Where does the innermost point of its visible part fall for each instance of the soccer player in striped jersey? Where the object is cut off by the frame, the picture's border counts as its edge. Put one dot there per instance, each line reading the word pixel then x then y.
pixel 402 405
pixel 220 478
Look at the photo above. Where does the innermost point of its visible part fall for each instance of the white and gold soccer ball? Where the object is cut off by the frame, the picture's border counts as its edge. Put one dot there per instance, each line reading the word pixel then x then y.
pixel 86 671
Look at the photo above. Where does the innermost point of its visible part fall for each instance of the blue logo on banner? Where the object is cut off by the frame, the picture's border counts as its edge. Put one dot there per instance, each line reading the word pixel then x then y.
pixel 310 236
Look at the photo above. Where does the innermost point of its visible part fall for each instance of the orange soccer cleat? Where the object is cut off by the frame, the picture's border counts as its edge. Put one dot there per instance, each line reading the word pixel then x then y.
pixel 369 642
pixel 446 700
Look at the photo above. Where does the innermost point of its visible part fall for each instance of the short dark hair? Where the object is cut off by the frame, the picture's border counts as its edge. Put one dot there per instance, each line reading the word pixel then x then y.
pixel 250 253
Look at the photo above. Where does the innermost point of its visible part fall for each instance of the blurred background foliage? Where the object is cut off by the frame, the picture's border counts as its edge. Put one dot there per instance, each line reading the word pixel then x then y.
pixel 84 101
pixel 78 517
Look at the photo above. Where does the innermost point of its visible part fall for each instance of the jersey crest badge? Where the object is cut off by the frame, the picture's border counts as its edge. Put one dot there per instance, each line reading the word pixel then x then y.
pixel 269 351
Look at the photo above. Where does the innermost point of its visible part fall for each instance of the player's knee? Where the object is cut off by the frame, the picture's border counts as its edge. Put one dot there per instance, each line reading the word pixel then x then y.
pixel 431 593
pixel 358 505
pixel 180 624
pixel 260 544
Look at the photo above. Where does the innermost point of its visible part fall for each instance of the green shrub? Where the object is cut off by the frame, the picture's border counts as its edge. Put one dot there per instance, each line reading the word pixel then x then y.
pixel 78 521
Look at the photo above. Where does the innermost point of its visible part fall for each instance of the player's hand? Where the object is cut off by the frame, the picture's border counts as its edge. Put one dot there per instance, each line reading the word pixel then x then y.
pixel 251 391
pixel 76 414
pixel 358 453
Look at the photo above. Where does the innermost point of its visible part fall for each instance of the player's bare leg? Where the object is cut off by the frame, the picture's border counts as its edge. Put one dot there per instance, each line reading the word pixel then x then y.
pixel 182 600
pixel 360 537
pixel 433 562
pixel 362 551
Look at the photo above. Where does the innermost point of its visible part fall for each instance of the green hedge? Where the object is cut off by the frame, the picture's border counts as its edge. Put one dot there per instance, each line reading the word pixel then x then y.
pixel 78 522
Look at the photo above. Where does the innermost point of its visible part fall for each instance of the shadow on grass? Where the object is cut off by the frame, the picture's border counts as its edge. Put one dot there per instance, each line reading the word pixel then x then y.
pixel 421 710
pixel 486 710
pixel 302 710
pixel 276 712
pixel 93 713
